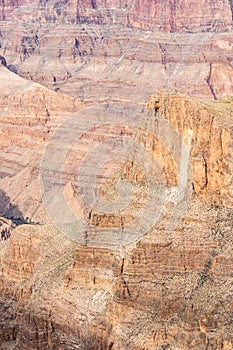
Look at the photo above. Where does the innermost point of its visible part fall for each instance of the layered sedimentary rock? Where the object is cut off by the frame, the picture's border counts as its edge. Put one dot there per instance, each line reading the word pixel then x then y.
pixel 65 46
pixel 29 113
pixel 167 292
pixel 153 15
pixel 98 63
pixel 171 287
pixel 207 127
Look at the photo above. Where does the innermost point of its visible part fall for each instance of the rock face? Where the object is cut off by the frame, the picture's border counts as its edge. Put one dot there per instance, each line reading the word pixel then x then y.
pixel 110 63
pixel 207 127
pixel 76 77
pixel 97 51
pixel 211 160
pixel 172 290
pixel 151 15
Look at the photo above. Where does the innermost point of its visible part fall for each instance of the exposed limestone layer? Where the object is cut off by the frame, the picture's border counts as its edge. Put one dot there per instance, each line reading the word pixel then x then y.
pixel 173 290
pixel 153 15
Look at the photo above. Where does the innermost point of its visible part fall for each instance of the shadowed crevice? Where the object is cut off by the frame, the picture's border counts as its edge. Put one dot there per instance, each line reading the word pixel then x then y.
pixel 231 6
pixel 93 4
pixel 208 80
pixel 9 210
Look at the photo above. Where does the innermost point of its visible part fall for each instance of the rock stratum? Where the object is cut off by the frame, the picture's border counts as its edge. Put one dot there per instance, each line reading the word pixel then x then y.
pixel 160 74
pixel 99 51
pixel 172 290
pixel 150 15
pixel 98 63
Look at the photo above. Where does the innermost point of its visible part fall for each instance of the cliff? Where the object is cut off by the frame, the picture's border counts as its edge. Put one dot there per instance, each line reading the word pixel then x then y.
pixel 207 127
pixel 150 15
pixel 172 290
pixel 30 112
pixel 210 125
pixel 188 47
pixel 169 289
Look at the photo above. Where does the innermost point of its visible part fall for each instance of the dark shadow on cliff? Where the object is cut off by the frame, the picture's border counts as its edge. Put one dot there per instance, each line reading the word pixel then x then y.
pixel 9 210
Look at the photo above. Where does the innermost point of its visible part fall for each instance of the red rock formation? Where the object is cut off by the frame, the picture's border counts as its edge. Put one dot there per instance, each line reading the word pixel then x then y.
pixel 29 113
pixel 173 16
pixel 99 63
pixel 171 289
pixel 167 292
pixel 211 152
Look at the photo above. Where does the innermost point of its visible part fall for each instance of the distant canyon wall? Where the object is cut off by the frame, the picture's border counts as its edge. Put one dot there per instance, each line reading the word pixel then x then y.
pixel 174 16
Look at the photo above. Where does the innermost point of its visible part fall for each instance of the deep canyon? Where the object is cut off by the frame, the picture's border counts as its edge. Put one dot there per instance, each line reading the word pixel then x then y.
pixel 79 79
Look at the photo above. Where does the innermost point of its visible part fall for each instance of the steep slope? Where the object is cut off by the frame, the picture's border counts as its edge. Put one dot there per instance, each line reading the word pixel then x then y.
pixel 29 113
pixel 208 124
pixel 172 291
pixel 76 78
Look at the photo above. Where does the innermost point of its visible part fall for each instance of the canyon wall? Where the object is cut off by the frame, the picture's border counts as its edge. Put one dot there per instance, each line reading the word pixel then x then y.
pixel 74 48
pixel 170 291
pixel 66 64
pixel 168 16
pixel 206 127
pixel 98 63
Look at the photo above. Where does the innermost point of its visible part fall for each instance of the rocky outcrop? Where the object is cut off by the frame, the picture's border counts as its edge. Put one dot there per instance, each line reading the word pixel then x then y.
pixel 208 129
pixel 167 292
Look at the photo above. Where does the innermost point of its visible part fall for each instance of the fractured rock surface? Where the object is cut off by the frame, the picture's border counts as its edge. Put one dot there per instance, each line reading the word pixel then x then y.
pixel 171 290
